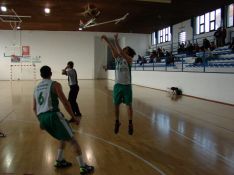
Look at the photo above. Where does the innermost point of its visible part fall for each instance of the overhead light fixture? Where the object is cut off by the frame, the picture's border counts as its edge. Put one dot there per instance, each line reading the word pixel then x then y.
pixel 3 8
pixel 80 28
pixel 18 27
pixel 47 10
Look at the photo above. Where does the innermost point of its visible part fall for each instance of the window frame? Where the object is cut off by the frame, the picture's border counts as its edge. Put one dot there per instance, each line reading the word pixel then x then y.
pixel 202 24
pixel 211 23
pixel 164 35
pixel 179 36
pixel 153 39
pixel 227 16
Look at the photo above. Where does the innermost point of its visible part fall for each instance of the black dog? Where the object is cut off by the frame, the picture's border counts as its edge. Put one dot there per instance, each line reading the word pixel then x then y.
pixel 176 90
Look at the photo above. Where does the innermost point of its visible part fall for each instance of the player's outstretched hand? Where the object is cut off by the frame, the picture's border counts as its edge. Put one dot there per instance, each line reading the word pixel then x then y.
pixel 103 37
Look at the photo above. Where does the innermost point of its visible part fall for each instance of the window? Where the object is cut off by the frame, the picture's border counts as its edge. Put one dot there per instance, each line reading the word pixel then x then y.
pixel 230 15
pixel 164 35
pixel 208 22
pixel 202 24
pixel 218 19
pixel 212 21
pixel 153 38
pixel 182 37
pixel 161 36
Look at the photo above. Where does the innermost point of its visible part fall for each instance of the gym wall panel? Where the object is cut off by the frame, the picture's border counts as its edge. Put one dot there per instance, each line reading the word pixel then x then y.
pixel 212 86
pixel 56 48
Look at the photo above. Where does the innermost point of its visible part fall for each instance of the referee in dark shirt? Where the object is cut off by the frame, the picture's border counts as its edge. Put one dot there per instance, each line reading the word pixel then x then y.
pixel 74 87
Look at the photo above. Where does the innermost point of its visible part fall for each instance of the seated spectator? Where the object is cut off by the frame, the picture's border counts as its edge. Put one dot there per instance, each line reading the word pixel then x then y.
pixel 167 54
pixel 170 59
pixel 164 52
pixel 207 52
pixel 139 59
pixel 181 48
pixel 196 48
pixel 143 61
pixel 206 44
pixel 232 45
pixel 198 60
pixel 212 46
pixel 153 56
pixel 189 48
pixel 159 55
pixel 151 60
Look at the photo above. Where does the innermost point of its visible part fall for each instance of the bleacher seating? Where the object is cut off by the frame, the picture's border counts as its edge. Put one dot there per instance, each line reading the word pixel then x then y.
pixel 219 60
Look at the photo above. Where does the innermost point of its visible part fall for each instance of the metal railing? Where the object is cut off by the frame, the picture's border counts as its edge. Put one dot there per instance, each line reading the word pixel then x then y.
pixel 203 62
pixel 196 62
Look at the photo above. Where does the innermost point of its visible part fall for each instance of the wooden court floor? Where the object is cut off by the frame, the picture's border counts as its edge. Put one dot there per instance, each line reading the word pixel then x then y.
pixel 186 136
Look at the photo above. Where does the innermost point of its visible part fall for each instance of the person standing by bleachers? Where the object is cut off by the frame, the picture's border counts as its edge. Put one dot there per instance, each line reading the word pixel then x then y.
pixel 232 45
pixel 206 49
pixel 218 37
pixel 223 36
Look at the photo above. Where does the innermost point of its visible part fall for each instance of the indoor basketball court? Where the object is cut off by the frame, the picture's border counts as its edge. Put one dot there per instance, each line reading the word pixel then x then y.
pixel 191 133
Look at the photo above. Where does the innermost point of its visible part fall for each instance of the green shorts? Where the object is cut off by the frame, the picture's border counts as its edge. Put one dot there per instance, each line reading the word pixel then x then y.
pixel 56 125
pixel 122 94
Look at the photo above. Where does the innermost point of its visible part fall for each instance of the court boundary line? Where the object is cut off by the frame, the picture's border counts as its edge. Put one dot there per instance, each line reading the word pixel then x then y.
pixel 8 114
pixel 110 143
pixel 178 112
pixel 221 157
pixel 123 149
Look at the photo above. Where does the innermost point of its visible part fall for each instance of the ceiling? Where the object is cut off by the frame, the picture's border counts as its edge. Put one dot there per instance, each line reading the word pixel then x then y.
pixel 144 17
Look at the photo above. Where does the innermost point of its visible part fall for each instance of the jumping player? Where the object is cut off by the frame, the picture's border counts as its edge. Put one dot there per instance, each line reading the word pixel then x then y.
pixel 122 92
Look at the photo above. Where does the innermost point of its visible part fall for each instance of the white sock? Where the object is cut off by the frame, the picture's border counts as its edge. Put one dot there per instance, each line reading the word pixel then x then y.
pixel 60 155
pixel 80 160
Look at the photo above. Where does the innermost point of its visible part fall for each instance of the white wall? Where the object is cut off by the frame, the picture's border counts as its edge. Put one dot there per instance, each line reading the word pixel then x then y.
pixel 230 34
pixel 138 42
pixel 184 26
pixel 100 58
pixel 212 86
pixel 57 48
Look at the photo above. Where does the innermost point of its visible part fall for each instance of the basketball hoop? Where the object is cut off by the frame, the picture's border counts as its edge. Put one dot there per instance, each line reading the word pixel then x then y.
pixel 13 19
pixel 14 25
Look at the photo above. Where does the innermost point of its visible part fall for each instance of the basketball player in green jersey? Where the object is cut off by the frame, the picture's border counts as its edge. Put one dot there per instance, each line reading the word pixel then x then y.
pixel 46 108
pixel 122 92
